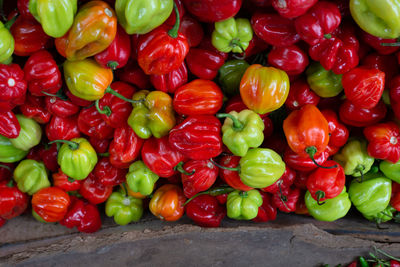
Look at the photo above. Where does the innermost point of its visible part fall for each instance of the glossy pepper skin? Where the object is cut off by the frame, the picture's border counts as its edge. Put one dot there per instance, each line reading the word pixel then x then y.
pixel 34 108
pixel 292 8
pixel 60 107
pixel 230 177
pixel 242 131
pixel 7 43
pixel 230 74
pixel 332 210
pixel 198 97
pixel 13 87
pixel 140 17
pixel 390 170
pixel 82 215
pixel 192 29
pixel 382 216
pixel 9 153
pixel 361 117
pixel 383 141
pixel 204 63
pixel 338 133
pixel 301 163
pixel 243 205
pixel 197 137
pixel 167 203
pixel 372 195
pixel 213 10
pixel 264 89
pixel 153 115
pixel 107 174
pixel 93 30
pixel 62 128
pixel 267 211
pixel 291 59
pixel 62 181
pixel 56 17
pixel 286 201
pixel 94 191
pixel 13 202
pixel 30 134
pixel 168 83
pixel 9 125
pixel 324 82
pixel 31 176
pixel 205 211
pixel 91 123
pixel 354 158
pixel 376 17
pixel 124 209
pixel 140 178
pixel 282 183
pixel 77 158
pixel 300 94
pixel 51 204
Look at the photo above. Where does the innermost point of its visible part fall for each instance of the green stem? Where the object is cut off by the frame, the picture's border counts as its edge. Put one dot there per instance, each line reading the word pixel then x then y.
pixel 125 189
pixel 386 254
pixel 180 169
pixel 236 42
pixel 71 180
pixel 216 191
pixel 237 125
pixel 9 23
pixel 113 92
pixel 72 145
pixel 224 167
pixel 174 31
pixel 10 183
pixel 59 94
pixel 320 194
pixel 361 173
pixel 5 167
pixel 106 110
pixel 107 154
pixel 390 44
pixel 311 150
pixel 112 65
pixel 327 36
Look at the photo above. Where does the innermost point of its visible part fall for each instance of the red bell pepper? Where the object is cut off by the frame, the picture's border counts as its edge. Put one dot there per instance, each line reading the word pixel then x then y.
pixel 299 163
pixel 117 54
pixel 82 215
pixel 94 191
pixel 364 87
pixel 232 178
pixel 100 145
pixel 107 174
pixel 9 125
pixel 61 180
pixel 23 9
pixel 161 157
pixel 213 10
pixel 51 203
pixel 292 59
pixel 197 176
pixel 204 64
pixel 34 107
pixel 326 183
pixel 76 100
pixel 274 29
pixel 197 137
pixel 61 107
pixel 337 131
pixel 301 179
pixel 282 183
pixel 12 201
pixel 134 75
pixel 91 123
pixel 171 81
pixel 319 22
pixel 383 141
pixel 386 63
pixel 395 199
pixel 292 8
pixel 378 43
pixel 199 97
pixel 286 201
pixel 47 154
pixel 6 171
pixel 62 128
pixel 361 117
pixel 256 46
pixel 267 211
pixel 125 147
pixel 206 44
pixel 13 87
pixel 192 29
pixel 42 74
pixel 205 211
pixel 339 53
pixel 300 94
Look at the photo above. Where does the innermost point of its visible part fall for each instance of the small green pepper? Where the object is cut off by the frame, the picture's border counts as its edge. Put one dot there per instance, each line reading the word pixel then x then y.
pixel 242 205
pixel 332 209
pixel 30 134
pixel 123 208
pixel 391 170
pixel 6 43
pixel 140 178
pixel 230 75
pixel 31 176
pixel 382 216
pixel 9 153
pixel 324 82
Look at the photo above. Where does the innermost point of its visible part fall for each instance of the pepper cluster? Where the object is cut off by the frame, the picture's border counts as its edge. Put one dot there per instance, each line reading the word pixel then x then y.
pixel 211 108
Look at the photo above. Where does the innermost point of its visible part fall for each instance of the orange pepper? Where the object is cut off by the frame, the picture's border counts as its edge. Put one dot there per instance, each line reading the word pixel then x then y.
pixel 264 89
pixel 131 193
pixel 51 203
pixel 167 202
pixel 93 30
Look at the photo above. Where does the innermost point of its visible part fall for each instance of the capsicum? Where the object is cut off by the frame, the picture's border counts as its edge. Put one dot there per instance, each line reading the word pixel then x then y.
pixel 107 174
pixel 324 82
pixel 30 134
pixel 243 205
pixel 205 211
pixel 9 153
pixel 391 170
pixel 7 43
pixel 167 202
pixel 13 87
pixel 9 125
pixel 51 204
pixel 140 178
pixel 31 176
pixel 13 201
pixel 230 74
pixel 124 208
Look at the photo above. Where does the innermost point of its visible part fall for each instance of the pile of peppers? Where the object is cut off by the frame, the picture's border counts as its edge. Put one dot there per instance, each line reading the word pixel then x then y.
pixel 209 108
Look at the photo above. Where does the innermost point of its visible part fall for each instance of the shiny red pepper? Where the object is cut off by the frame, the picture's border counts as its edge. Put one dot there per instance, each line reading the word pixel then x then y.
pixel 23 9
pixel 205 211
pixel 9 125
pixel 286 201
pixel 82 215
pixel 62 128
pixel 282 183
pixel 197 137
pixel 192 29
pixel 100 145
pixel 386 63
pixel 300 94
pixel 256 46
pixel 338 133
pixel 125 147
pixel 203 63
pixel 206 44
pixel 395 199
pixel 76 100
pixel 91 123
pixel 61 180
pixel 301 179
pixel 134 75
pixel 235 104
pixel 292 59
pixel 376 43
pixel 394 93
pixel 34 107
pixel 232 178
pixel 171 81
pixel 213 10
pixel 107 174
pixel 292 8
pixel 13 87
pixel 267 211
pixel 383 141
pixel 161 157
pixel 42 74
pixel 361 117
pixel 47 154
pixel 61 107
pixel 172 18
pixel 298 163
pixel 12 201
pixel 94 191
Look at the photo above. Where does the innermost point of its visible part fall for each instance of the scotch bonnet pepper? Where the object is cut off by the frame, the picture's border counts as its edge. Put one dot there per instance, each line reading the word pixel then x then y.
pixel 30 134
pixel 123 208
pixel 391 170
pixel 31 176
pixel 324 82
pixel 13 202
pixel 6 44
pixel 140 178
pixel 9 153
pixel 230 75
pixel 167 202
pixel 243 205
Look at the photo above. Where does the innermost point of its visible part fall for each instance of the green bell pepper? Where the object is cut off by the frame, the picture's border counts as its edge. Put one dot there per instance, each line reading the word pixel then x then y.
pixel 372 195
pixel 242 205
pixel 9 153
pixel 354 158
pixel 30 134
pixel 6 43
pixel 391 170
pixel 332 209
pixel 382 216
pixel 31 176
pixel 140 178
pixel 56 16
pixel 232 35
pixel 124 209
pixel 324 82
pixel 377 17
pixel 142 16
pixel 230 75
pixel 242 131
pixel 77 158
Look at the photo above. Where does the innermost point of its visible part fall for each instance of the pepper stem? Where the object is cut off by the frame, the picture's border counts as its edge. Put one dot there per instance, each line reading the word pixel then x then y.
pixel 311 150
pixel 72 145
pixel 320 194
pixel 216 191
pixel 361 173
pixel 237 125
pixel 125 189
pixel 390 44
pixel 113 65
pixel 236 42
pixel 224 167
pixel 328 36
pixel 180 169
pixel 10 183
pixel 174 31
pixel 113 92
pixel 107 154
pixel 59 94
pixel 106 110
pixel 5 167
pixel 71 180
pixel 9 23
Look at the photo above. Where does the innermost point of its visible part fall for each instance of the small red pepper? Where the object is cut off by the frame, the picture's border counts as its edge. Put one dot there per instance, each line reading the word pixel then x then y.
pixel 61 180
pixel 62 128
pixel 171 81
pixel 47 154
pixel 100 145
pixel 395 199
pixel 386 63
pixel 299 163
pixel 292 59
pixel 171 20
pixel 292 8
pixel 6 171
pixel 300 94
pixel 9 125
pixel 378 43
pixel 134 75
pixel 13 87
pixel 77 101
pixel 34 107
pixel 94 191
pixel 301 179
pixel 107 174
pixel 361 117
pixel 12 201
pixel 286 201
pixel 23 9
pixel 192 29
pixel 91 123
pixel 338 133
pixel 213 10
pixel 267 211
pixel 61 107
pixel 51 203
pixel 232 178
pixel 203 63
pixel 205 211
pixel 282 183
